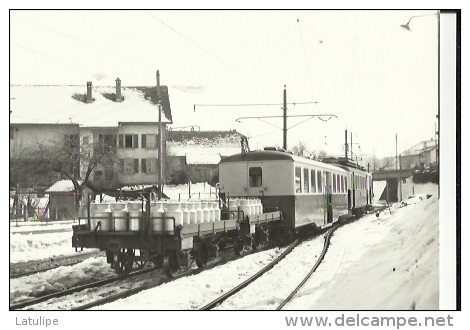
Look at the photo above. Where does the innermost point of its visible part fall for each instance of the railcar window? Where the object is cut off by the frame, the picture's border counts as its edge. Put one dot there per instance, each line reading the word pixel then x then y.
pixel 256 176
pixel 338 183
pixel 320 181
pixel 306 181
pixel 313 184
pixel 334 182
pixel 345 183
pixel 298 183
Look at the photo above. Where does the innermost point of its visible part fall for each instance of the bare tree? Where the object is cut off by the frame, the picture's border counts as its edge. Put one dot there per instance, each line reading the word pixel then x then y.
pixel 67 157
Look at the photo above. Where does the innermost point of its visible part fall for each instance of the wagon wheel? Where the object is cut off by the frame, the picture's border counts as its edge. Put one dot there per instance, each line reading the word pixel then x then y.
pixel 222 245
pixel 202 254
pixel 123 261
pixel 159 261
pixel 174 264
pixel 239 246
pixel 259 239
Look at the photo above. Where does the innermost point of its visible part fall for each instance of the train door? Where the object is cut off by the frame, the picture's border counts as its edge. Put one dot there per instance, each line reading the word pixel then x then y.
pixel 255 179
pixel 328 197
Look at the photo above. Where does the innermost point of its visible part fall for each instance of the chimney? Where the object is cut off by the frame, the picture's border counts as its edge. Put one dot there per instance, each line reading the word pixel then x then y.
pixel 158 84
pixel 118 90
pixel 89 99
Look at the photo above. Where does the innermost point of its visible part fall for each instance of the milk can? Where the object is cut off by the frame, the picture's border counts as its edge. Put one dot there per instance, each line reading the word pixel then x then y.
pixel 210 206
pixel 215 205
pixel 102 215
pixel 205 212
pixel 119 216
pixel 233 208
pixel 245 207
pixel 185 210
pixel 199 212
pixel 192 212
pixel 156 217
pixel 173 211
pixel 135 215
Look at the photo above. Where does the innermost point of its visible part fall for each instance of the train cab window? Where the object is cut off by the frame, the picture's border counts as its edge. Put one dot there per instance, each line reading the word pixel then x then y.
pixel 298 182
pixel 313 183
pixel 255 176
pixel 320 181
pixel 334 182
pixel 306 181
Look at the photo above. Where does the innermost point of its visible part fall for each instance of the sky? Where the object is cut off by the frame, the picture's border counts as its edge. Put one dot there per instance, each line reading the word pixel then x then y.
pixel 359 68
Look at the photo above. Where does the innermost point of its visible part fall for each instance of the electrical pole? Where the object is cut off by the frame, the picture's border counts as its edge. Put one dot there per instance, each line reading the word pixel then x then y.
pixel 346 143
pixel 284 129
pixel 351 147
pixel 396 151
pixel 159 141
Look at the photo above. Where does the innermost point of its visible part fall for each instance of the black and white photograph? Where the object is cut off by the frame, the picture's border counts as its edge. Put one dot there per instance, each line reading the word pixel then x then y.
pixel 239 160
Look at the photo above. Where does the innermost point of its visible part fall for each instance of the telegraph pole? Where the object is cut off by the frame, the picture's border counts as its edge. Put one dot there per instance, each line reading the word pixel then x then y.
pixel 284 129
pixel 159 141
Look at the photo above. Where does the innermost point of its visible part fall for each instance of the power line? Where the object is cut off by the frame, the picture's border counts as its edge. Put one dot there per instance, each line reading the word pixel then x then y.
pixel 83 42
pixel 51 58
pixel 305 55
pixel 251 104
pixel 203 49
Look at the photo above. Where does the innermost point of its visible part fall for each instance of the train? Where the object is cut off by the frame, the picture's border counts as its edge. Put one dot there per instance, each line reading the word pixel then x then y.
pixel 262 196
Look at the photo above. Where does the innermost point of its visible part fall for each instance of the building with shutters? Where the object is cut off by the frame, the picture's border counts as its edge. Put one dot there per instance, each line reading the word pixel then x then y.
pixel 122 118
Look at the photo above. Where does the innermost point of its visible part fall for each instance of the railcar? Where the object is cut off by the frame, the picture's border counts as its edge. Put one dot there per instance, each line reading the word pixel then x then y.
pixel 306 191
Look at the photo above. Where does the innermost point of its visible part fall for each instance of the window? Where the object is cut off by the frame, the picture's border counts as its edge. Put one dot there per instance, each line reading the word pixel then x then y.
pixel 129 165
pixel 338 183
pixel 85 140
pixel 149 165
pixel 128 141
pixel 306 181
pixel 334 182
pixel 298 183
pixel 255 175
pixel 149 141
pixel 313 183
pixel 320 181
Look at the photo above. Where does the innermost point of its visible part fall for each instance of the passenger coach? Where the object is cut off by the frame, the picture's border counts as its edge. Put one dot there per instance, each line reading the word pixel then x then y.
pixel 306 191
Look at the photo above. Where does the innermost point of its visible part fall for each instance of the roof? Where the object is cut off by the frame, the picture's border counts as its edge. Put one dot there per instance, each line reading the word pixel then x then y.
pixel 203 147
pixel 61 186
pixel 60 104
pixel 256 156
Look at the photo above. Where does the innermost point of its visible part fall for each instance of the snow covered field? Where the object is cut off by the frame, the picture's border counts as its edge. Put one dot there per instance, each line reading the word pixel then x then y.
pixel 384 263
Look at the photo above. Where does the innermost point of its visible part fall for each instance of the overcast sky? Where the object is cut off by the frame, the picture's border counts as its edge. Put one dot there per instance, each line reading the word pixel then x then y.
pixel 377 78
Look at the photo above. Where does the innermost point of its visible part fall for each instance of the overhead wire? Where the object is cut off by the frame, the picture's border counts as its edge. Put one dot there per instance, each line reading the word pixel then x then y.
pixel 202 48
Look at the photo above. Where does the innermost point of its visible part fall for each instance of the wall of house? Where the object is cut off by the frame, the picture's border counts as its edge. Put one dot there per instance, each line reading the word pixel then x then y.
pixel 135 153
pixel 30 136
pixel 61 205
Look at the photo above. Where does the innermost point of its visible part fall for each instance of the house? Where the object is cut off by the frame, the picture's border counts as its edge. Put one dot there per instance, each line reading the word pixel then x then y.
pixel 62 200
pixel 198 153
pixel 420 156
pixel 123 121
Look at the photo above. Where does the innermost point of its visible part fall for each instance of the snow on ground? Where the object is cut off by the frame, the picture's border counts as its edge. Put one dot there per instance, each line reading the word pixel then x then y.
pixel 36 226
pixel 384 263
pixel 181 192
pixel 39 246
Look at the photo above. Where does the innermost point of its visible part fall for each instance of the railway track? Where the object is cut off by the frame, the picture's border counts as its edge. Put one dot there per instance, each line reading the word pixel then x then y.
pixel 35 301
pixel 258 276
pixel 37 232
pixel 22 269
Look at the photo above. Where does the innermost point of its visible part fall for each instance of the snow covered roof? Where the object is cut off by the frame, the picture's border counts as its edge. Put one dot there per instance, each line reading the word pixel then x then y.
pixel 203 154
pixel 61 186
pixel 64 105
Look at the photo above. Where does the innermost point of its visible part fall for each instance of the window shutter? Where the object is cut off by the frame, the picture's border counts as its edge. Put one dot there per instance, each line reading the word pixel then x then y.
pixel 144 141
pixel 136 166
pixel 135 143
pixel 121 165
pixel 121 141
pixel 144 163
